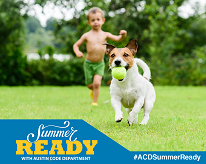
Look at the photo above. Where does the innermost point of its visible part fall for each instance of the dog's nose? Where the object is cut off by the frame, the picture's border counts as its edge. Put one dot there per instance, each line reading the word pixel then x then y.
pixel 117 62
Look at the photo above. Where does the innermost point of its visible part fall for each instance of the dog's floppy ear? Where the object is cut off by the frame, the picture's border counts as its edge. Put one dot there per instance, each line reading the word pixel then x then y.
pixel 132 45
pixel 109 48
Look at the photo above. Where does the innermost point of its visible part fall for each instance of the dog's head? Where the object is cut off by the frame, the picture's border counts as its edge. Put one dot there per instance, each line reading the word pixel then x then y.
pixel 121 56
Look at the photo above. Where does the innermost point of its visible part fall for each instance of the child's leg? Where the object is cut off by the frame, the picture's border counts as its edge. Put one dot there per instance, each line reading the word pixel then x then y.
pixel 93 76
pixel 90 86
pixel 96 87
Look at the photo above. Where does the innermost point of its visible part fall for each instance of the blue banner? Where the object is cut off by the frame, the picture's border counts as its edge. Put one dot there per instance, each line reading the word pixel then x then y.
pixel 73 141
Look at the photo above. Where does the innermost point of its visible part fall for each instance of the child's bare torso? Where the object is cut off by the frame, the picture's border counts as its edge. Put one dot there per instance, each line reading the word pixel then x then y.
pixel 95 49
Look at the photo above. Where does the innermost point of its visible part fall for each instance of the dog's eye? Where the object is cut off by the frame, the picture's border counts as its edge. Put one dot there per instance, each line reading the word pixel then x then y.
pixel 112 55
pixel 125 55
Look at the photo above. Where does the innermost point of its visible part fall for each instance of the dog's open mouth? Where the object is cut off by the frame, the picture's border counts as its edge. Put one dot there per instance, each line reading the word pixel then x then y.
pixel 126 67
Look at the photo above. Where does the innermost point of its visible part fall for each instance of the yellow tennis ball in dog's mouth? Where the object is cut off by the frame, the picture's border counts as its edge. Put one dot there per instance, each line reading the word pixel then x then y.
pixel 119 73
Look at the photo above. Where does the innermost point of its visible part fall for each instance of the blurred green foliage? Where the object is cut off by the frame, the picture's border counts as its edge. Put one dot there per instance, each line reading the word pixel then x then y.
pixel 12 61
pixel 173 47
pixel 54 72
pixel 37 37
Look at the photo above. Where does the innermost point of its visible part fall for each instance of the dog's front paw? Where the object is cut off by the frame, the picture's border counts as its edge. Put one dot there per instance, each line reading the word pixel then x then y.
pixel 119 117
pixel 132 119
pixel 144 121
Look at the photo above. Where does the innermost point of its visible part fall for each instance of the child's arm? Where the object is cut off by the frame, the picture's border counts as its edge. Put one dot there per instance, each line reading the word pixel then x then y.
pixel 119 38
pixel 76 46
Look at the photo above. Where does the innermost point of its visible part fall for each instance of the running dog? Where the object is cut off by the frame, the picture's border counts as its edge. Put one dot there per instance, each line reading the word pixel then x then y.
pixel 134 91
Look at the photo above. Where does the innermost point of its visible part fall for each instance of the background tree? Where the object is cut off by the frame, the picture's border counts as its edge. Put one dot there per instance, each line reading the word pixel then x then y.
pixel 128 15
pixel 38 38
pixel 13 64
pixel 32 24
pixel 174 47
pixel 50 24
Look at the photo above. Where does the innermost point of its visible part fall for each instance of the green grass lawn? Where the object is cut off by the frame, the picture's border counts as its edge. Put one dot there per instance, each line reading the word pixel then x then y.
pixel 177 121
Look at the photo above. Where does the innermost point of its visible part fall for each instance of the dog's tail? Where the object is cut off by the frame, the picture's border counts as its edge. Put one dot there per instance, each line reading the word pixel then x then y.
pixel 143 65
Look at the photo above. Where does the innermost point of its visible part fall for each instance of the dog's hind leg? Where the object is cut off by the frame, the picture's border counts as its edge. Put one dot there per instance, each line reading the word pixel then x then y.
pixel 147 108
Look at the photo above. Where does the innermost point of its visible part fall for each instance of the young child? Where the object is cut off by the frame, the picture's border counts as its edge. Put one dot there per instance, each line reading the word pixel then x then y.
pixel 94 63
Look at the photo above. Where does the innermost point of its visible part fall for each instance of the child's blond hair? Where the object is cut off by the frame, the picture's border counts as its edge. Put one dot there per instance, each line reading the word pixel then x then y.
pixel 93 10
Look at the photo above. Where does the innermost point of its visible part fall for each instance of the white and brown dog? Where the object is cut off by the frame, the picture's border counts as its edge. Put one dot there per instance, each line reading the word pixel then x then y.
pixel 134 91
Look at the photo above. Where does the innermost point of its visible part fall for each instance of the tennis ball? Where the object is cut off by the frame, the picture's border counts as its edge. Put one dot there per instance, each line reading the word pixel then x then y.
pixel 119 72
